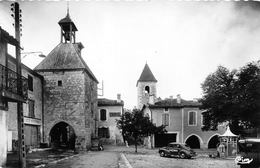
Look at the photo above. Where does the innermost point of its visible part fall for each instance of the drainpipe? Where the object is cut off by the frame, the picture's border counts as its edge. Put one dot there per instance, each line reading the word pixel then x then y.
pixel 42 81
pixel 182 124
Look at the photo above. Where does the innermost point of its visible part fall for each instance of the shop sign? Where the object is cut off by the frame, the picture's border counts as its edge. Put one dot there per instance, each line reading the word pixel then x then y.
pixel 32 121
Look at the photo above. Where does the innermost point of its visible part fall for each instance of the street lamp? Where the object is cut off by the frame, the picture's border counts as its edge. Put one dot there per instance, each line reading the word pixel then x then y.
pixel 28 53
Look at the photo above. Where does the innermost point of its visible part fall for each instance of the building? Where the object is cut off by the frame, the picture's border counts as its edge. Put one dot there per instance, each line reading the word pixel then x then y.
pixel 146 87
pixel 32 108
pixel 183 119
pixel 13 87
pixel 108 112
pixel 70 93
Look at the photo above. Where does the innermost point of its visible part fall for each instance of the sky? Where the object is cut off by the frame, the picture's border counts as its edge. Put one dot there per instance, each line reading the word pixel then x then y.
pixel 181 41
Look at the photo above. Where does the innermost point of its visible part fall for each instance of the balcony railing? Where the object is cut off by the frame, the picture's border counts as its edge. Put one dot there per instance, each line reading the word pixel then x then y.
pixel 13 82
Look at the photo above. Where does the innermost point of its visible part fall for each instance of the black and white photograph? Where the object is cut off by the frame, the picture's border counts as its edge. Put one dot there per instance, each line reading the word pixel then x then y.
pixel 129 84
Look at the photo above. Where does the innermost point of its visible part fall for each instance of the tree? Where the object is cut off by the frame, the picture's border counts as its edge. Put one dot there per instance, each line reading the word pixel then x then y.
pixel 137 125
pixel 232 96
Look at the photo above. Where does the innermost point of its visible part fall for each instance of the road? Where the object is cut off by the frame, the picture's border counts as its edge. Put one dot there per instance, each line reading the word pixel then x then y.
pixel 111 157
pixel 92 159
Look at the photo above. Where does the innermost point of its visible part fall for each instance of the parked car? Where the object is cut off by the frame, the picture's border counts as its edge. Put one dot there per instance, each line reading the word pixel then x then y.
pixel 181 150
pixel 248 153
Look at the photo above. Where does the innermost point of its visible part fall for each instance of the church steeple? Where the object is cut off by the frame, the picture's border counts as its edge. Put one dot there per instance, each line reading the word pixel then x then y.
pixel 146 87
pixel 68 29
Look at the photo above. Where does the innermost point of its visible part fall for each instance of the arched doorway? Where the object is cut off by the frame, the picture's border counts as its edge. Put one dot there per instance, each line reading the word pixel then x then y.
pixel 62 136
pixel 194 142
pixel 213 142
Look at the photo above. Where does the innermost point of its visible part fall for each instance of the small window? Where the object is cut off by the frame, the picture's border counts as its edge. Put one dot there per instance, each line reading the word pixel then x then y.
pixel 30 82
pixel 103 115
pixel 166 109
pixel 166 119
pixel 59 83
pixel 31 108
pixel 192 118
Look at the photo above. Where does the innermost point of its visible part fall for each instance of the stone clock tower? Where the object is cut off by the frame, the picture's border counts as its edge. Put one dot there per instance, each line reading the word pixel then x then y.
pixel 146 87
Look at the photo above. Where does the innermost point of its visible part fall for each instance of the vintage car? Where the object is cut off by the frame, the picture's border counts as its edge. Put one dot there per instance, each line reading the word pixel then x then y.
pixel 248 153
pixel 181 150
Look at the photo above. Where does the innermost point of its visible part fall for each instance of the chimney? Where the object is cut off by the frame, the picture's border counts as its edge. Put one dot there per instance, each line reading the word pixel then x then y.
pixel 178 98
pixel 118 98
pixel 171 97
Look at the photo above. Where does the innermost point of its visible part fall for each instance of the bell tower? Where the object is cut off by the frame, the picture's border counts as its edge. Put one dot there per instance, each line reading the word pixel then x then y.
pixel 146 88
pixel 68 29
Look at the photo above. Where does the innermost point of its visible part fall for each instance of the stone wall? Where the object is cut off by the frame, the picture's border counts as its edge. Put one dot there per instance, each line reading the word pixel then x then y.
pixel 70 97
pixel 143 98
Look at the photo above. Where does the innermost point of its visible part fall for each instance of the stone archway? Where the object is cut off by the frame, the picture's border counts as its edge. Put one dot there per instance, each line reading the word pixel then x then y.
pixel 194 142
pixel 62 135
pixel 213 142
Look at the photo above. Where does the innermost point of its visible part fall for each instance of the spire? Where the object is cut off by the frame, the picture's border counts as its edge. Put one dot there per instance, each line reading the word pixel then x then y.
pixel 68 8
pixel 147 75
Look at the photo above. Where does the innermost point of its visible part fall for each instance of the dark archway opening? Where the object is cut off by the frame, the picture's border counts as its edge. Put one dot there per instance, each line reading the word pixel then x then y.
pixel 213 142
pixel 147 89
pixel 193 142
pixel 62 136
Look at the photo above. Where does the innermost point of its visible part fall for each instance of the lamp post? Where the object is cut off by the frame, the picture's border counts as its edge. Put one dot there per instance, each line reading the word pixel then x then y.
pixel 28 53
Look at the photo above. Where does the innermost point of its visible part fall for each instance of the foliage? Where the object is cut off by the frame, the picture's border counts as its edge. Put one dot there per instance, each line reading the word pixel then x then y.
pixel 232 96
pixel 137 125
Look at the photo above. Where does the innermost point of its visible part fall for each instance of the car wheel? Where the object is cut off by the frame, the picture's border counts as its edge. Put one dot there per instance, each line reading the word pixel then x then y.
pixel 182 155
pixel 162 154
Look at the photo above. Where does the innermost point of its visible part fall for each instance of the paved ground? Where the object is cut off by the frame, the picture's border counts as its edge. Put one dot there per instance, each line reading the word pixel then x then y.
pixel 123 157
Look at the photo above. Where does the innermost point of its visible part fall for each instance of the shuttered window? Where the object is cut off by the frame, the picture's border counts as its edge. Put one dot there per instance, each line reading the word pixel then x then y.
pixel 31 108
pixel 103 115
pixel 30 83
pixel 166 119
pixel 192 118
pixel 103 132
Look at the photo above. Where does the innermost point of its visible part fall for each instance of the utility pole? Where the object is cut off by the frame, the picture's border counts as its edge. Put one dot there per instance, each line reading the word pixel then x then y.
pixel 20 120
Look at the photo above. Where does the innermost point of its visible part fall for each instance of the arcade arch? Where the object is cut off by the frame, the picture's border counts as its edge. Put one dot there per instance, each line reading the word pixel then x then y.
pixel 62 135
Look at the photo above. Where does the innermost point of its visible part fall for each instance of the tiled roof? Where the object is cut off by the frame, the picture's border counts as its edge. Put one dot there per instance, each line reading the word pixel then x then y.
pixel 108 102
pixel 65 56
pixel 173 103
pixel 147 75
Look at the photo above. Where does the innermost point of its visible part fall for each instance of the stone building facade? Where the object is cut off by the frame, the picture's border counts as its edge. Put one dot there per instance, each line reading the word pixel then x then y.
pixel 108 111
pixel 13 88
pixel 70 93
pixel 32 110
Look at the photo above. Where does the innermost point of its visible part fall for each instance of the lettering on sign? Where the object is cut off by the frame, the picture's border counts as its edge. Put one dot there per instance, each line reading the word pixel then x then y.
pixel 32 121
pixel 115 114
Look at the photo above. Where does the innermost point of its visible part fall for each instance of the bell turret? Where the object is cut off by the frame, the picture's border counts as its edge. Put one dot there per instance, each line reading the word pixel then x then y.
pixel 68 29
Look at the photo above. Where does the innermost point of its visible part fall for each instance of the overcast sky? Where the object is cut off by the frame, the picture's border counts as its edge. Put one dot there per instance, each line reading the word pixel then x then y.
pixel 182 42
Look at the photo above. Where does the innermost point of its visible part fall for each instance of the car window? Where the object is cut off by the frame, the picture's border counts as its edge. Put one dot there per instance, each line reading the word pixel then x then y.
pixel 248 147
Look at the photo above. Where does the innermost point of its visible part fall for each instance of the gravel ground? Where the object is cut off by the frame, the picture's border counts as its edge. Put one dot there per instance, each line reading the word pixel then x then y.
pixel 38 158
pixel 155 161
